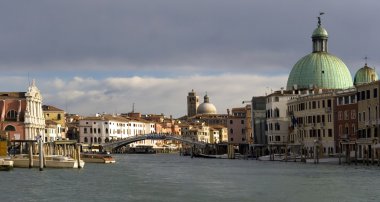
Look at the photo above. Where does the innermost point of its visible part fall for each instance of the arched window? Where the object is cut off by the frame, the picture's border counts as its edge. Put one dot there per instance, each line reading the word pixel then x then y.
pixel 107 139
pixel 100 140
pixel 10 128
pixel 11 115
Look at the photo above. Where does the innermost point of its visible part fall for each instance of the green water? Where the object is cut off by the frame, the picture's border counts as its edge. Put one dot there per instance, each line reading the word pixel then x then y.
pixel 170 177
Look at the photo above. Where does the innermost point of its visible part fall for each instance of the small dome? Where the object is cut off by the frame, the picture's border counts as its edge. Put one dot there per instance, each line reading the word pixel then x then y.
pixel 206 107
pixel 320 32
pixel 365 75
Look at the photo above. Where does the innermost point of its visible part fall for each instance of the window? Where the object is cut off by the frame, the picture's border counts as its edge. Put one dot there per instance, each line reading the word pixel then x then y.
pixel 375 93
pixel 368 94
pixel 11 115
pixel 84 130
pixel 85 139
pixel 231 121
pixel 231 131
pixel 353 114
pixel 242 121
pixel 330 132
pixel 346 115
pixel 59 116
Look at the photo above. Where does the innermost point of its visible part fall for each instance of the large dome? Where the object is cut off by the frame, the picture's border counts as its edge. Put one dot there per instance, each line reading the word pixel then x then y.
pixel 365 75
pixel 319 69
pixel 206 107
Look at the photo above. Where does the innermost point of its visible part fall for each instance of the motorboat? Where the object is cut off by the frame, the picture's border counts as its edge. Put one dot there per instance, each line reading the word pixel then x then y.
pixel 52 161
pixel 6 164
pixel 97 158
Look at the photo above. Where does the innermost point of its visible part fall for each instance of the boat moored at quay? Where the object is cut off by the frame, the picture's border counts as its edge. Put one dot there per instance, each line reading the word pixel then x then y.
pixel 97 158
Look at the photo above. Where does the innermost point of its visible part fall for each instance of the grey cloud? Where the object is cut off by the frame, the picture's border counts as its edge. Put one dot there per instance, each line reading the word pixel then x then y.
pixel 167 35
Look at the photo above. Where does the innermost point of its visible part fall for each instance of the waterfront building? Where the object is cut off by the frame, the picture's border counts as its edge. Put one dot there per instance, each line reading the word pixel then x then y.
pixel 239 125
pixel 56 115
pixel 199 132
pixel 259 120
pixel 368 118
pixel 219 134
pixel 21 114
pixel 313 121
pixel 51 133
pixel 278 121
pixel 346 122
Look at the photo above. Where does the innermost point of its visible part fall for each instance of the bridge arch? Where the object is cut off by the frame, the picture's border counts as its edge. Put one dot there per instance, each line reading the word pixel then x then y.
pixel 109 146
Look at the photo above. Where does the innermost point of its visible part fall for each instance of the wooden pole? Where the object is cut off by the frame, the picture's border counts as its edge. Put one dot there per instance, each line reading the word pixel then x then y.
pixel 340 154
pixel 41 154
pixel 30 155
pixel 78 155
pixel 356 154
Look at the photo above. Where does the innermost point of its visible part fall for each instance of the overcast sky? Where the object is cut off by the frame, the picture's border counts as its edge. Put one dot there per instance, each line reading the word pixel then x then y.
pixel 94 56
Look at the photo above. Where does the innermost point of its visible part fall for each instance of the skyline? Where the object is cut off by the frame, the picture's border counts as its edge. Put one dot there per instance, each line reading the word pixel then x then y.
pixel 93 56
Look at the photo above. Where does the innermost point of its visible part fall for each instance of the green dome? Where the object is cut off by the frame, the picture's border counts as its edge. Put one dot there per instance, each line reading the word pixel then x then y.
pixel 365 75
pixel 320 69
pixel 320 32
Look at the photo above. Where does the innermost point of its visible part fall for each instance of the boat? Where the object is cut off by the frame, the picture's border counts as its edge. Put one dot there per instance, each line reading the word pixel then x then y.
pixel 6 164
pixel 141 149
pixel 52 161
pixel 97 158
pixel 327 160
pixel 275 157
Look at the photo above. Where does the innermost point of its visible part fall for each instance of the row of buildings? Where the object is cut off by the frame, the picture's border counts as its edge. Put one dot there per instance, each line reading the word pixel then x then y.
pixel 322 108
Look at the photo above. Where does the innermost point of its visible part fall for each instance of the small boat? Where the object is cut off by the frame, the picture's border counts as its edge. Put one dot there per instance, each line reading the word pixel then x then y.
pixel 141 149
pixel 97 158
pixel 327 160
pixel 275 157
pixel 5 164
pixel 52 161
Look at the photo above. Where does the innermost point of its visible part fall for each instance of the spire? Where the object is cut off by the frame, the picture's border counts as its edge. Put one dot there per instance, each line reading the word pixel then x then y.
pixel 319 37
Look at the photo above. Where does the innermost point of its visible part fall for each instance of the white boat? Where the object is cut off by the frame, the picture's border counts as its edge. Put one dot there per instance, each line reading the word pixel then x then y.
pixel 277 157
pixel 6 164
pixel 97 158
pixel 53 161
pixel 332 160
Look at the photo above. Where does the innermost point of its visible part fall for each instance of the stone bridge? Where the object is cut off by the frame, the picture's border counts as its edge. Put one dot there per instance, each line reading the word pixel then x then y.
pixel 109 146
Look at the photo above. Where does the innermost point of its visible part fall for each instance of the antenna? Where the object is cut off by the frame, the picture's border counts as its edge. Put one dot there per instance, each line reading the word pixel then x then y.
pixel 366 60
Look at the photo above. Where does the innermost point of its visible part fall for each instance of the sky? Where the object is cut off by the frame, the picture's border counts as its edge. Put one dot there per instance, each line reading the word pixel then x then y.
pixel 104 56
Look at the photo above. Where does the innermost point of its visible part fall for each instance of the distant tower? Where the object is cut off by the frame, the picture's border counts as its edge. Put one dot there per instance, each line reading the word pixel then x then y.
pixel 192 103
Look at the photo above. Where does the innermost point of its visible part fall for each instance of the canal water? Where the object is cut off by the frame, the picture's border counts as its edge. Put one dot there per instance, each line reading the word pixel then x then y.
pixel 170 177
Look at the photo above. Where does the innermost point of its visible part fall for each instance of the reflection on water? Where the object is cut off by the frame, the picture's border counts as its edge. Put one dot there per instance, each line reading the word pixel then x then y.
pixel 166 177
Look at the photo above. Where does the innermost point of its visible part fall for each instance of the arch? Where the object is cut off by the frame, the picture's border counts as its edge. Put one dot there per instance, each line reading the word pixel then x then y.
pixel 10 128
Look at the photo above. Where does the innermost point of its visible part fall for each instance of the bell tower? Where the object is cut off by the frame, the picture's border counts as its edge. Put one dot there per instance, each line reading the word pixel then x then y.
pixel 192 103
